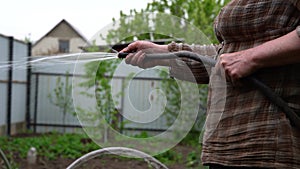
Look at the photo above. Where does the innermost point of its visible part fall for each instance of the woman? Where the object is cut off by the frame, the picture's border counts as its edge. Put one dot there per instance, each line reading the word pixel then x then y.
pixel 257 37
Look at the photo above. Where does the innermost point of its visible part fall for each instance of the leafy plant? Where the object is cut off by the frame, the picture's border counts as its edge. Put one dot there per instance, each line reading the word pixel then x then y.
pixel 193 159
pixel 98 76
pixel 62 97
pixel 49 146
pixel 143 134
pixel 169 157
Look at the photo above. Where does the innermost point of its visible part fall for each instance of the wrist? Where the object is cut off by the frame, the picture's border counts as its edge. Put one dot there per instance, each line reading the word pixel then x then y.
pixel 174 47
pixel 164 48
pixel 258 56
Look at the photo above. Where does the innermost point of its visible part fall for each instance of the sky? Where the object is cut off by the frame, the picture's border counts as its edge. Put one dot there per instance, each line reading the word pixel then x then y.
pixel 34 18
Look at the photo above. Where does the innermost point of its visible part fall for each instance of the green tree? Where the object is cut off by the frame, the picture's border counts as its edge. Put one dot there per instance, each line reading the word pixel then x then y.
pixel 200 13
pixel 62 97
pixel 98 76
pixel 28 39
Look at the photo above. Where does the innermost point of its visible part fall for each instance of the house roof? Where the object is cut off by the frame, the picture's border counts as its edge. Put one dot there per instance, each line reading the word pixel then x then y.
pixel 57 25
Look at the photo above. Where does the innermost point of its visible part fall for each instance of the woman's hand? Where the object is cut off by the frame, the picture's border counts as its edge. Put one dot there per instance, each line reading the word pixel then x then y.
pixel 282 51
pixel 138 50
pixel 238 64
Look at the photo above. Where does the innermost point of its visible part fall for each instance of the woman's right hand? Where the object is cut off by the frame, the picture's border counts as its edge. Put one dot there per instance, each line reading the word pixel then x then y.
pixel 137 51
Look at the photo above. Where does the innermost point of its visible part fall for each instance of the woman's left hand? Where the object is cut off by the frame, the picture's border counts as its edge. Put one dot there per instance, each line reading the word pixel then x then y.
pixel 278 52
pixel 238 64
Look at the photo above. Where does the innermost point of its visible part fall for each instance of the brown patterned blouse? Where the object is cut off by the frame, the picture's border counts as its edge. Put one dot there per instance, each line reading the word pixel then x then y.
pixel 243 128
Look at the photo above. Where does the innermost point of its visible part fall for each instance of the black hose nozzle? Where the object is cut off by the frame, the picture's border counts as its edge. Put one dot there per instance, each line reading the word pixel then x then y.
pixel 122 55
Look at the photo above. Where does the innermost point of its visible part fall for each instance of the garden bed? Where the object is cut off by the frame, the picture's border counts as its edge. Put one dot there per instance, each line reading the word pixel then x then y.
pixel 59 151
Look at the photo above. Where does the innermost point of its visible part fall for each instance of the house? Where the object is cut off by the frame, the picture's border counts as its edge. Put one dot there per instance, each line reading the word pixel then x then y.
pixel 63 38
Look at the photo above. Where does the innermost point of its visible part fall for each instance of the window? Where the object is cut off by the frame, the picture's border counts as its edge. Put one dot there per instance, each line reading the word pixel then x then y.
pixel 64 46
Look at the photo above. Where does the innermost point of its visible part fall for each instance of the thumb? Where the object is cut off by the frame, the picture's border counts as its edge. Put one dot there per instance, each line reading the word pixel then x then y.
pixel 124 50
pixel 130 48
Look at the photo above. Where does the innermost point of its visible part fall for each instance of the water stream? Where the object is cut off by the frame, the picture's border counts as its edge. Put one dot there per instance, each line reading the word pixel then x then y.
pixel 57 59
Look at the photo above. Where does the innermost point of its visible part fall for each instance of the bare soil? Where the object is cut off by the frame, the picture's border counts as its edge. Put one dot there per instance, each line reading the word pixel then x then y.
pixel 103 162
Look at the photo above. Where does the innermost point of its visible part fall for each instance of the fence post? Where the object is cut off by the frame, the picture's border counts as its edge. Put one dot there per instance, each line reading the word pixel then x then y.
pixel 9 83
pixel 28 91
pixel 121 119
pixel 35 101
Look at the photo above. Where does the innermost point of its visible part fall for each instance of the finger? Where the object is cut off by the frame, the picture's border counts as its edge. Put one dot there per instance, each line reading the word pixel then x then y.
pixel 141 59
pixel 129 58
pixel 134 59
pixel 143 63
pixel 228 73
pixel 222 61
pixel 234 77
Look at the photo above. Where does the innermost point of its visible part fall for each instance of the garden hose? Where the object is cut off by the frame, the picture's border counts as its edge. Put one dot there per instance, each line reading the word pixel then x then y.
pixel 6 162
pixel 265 90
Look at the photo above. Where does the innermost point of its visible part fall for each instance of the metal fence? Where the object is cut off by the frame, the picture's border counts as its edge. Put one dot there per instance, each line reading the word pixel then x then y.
pixel 45 116
pixel 13 85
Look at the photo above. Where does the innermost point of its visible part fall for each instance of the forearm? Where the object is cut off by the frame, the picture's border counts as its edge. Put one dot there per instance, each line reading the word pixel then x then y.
pixel 188 69
pixel 279 52
pixel 184 68
pixel 205 50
